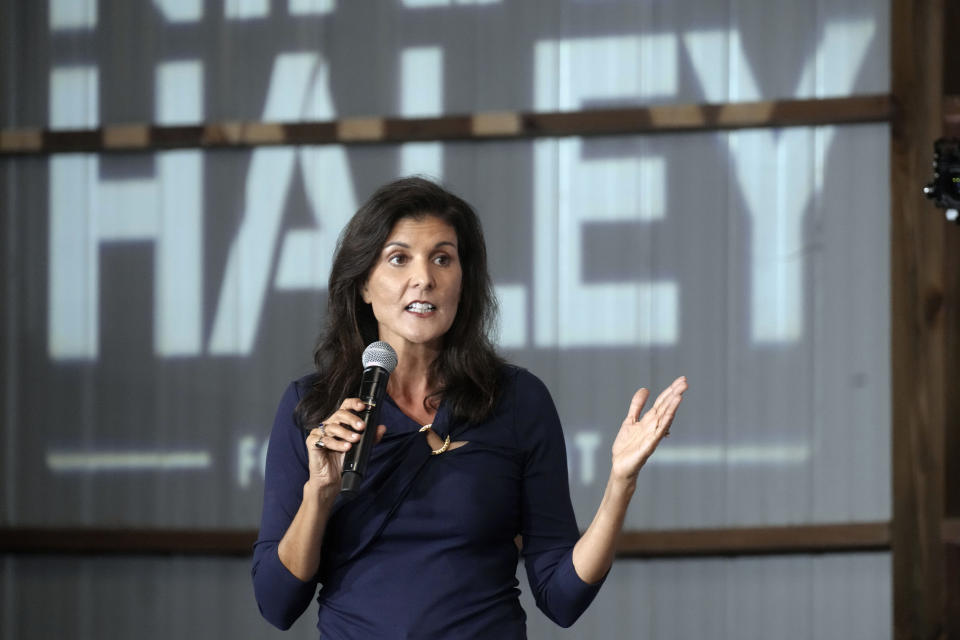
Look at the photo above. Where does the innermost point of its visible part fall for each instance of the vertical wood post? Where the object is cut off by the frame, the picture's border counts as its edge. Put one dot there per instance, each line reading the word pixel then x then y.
pixel 925 307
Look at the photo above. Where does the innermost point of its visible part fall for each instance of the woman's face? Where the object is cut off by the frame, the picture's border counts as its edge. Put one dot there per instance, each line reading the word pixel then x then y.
pixel 414 287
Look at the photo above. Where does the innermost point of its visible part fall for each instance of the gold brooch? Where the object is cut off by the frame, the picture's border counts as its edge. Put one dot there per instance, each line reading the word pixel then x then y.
pixel 446 443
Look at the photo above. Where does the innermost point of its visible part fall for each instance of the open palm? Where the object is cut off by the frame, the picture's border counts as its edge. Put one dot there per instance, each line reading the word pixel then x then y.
pixel 639 436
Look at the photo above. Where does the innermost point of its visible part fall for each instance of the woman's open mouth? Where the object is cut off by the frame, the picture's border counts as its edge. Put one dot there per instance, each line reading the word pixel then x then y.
pixel 421 307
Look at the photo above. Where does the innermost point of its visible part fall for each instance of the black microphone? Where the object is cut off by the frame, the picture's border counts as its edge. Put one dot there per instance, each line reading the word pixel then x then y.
pixel 379 361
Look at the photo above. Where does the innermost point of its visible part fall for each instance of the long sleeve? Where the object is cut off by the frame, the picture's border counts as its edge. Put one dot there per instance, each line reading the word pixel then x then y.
pixel 548 525
pixel 280 595
pixel 450 527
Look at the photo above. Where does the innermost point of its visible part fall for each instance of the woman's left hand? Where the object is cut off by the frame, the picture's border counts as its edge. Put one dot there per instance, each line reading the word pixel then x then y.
pixel 638 437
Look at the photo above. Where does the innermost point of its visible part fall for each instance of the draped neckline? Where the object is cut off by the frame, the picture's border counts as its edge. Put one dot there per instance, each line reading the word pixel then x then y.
pixel 440 424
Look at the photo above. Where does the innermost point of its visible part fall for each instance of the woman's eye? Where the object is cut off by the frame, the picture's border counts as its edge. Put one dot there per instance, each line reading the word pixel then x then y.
pixel 397 259
pixel 442 260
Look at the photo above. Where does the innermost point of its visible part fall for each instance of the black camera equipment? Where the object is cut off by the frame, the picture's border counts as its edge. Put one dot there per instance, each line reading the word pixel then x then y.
pixel 945 188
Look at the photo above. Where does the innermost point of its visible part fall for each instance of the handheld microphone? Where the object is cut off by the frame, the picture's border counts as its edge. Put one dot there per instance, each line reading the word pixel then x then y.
pixel 379 361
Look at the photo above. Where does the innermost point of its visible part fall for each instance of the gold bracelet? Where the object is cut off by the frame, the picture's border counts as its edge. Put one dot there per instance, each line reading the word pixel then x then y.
pixel 446 443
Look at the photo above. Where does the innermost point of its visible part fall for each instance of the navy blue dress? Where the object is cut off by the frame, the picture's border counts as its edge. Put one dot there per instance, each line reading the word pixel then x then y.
pixel 427 550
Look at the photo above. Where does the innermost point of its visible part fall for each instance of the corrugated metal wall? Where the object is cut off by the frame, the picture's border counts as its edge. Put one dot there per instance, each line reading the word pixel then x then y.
pixel 156 304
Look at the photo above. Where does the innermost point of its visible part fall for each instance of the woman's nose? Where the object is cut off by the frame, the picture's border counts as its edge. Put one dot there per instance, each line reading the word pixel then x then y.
pixel 423 275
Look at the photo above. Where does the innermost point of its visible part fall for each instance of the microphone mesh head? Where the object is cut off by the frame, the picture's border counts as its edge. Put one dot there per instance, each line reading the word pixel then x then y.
pixel 380 354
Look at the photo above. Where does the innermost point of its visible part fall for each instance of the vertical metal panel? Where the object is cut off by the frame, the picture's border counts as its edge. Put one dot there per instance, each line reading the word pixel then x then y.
pixel 791 597
pixel 850 328
pixel 119 597
pixel 776 241
pixel 784 422
pixel 685 52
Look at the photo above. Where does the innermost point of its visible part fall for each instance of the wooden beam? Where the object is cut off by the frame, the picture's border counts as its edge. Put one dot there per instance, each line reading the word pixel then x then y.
pixel 93 541
pixel 925 294
pixel 475 127
pixel 826 538
pixel 950 531
pixel 951 47
pixel 951 319
pixel 951 116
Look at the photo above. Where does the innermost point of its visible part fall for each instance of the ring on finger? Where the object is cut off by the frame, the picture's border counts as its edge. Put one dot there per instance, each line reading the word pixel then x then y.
pixel 323 432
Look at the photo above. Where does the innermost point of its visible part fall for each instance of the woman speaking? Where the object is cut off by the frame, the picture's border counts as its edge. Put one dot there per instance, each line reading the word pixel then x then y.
pixel 469 471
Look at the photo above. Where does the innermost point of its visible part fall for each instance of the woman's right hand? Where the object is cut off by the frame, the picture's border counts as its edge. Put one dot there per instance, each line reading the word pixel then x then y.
pixel 335 435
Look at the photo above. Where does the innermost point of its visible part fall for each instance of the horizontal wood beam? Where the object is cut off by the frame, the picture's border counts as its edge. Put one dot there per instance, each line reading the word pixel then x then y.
pixel 737 541
pixel 476 127
pixel 825 538
pixel 95 541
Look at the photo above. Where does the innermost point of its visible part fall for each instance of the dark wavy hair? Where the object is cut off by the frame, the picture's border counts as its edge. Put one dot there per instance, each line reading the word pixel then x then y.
pixel 467 371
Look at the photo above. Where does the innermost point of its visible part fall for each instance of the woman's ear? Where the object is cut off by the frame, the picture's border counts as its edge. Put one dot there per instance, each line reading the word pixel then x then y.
pixel 363 293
